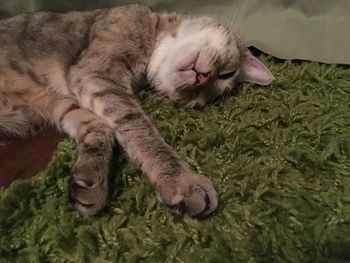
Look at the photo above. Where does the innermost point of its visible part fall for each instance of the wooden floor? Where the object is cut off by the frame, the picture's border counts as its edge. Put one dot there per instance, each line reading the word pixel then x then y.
pixel 24 158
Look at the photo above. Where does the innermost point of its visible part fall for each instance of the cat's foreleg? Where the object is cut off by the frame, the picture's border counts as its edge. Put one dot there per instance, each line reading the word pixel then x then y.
pixel 174 182
pixel 95 139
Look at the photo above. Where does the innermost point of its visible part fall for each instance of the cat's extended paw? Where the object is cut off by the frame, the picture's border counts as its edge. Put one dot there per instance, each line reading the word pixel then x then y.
pixel 192 194
pixel 88 189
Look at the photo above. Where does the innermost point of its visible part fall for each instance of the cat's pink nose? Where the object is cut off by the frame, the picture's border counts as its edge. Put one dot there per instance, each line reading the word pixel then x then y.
pixel 202 79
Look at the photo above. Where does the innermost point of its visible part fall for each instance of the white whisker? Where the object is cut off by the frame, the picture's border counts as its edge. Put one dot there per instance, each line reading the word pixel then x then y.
pixel 241 9
pixel 237 17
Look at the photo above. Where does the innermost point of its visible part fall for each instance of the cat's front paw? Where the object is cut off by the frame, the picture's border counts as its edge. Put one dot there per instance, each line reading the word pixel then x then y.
pixel 192 194
pixel 88 188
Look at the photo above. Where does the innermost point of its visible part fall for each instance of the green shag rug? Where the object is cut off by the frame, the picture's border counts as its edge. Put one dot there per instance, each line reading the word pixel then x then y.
pixel 278 156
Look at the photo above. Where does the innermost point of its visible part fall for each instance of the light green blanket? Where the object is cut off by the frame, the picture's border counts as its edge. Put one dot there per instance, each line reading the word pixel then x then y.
pixel 311 30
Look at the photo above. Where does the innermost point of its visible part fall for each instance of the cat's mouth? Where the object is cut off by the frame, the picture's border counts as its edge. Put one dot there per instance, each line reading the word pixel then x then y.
pixel 188 67
pixel 200 78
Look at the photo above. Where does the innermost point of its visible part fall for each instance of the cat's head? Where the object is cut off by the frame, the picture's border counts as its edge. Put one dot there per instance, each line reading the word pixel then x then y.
pixel 199 60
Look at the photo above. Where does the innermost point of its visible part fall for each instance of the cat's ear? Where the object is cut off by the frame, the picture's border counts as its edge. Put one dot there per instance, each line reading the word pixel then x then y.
pixel 253 70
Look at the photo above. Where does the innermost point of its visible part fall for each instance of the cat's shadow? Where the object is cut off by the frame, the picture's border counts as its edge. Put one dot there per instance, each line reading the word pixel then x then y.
pixel 114 178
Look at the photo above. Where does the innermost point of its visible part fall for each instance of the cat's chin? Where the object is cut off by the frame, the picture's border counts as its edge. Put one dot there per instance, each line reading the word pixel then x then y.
pixel 186 57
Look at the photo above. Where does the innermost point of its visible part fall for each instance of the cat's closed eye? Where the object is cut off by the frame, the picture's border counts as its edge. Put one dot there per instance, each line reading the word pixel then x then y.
pixel 226 75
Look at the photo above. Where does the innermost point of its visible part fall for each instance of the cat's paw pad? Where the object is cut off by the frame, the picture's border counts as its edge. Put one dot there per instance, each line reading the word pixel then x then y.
pixel 191 194
pixel 88 192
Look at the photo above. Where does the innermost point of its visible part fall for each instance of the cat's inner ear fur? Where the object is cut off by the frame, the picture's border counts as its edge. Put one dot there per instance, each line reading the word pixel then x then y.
pixel 254 71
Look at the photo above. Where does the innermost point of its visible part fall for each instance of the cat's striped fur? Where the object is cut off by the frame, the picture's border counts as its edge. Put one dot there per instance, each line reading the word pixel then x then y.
pixel 79 71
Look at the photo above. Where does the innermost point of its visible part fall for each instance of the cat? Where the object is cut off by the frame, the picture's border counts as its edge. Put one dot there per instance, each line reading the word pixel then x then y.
pixel 80 70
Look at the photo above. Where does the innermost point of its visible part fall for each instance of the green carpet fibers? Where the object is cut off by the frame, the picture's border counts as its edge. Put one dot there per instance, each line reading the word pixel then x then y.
pixel 278 156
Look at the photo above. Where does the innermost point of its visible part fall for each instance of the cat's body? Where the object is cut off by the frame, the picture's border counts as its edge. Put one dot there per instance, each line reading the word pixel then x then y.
pixel 79 71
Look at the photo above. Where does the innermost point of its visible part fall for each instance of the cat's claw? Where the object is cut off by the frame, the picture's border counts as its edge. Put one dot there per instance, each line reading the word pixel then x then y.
pixel 193 194
pixel 87 198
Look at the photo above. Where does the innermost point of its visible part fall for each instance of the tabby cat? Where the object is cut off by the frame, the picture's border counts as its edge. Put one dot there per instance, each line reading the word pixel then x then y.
pixel 79 71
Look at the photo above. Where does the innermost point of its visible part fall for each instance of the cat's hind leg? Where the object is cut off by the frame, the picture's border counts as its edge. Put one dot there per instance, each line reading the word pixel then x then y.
pixel 17 120
pixel 95 141
pixel 25 103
